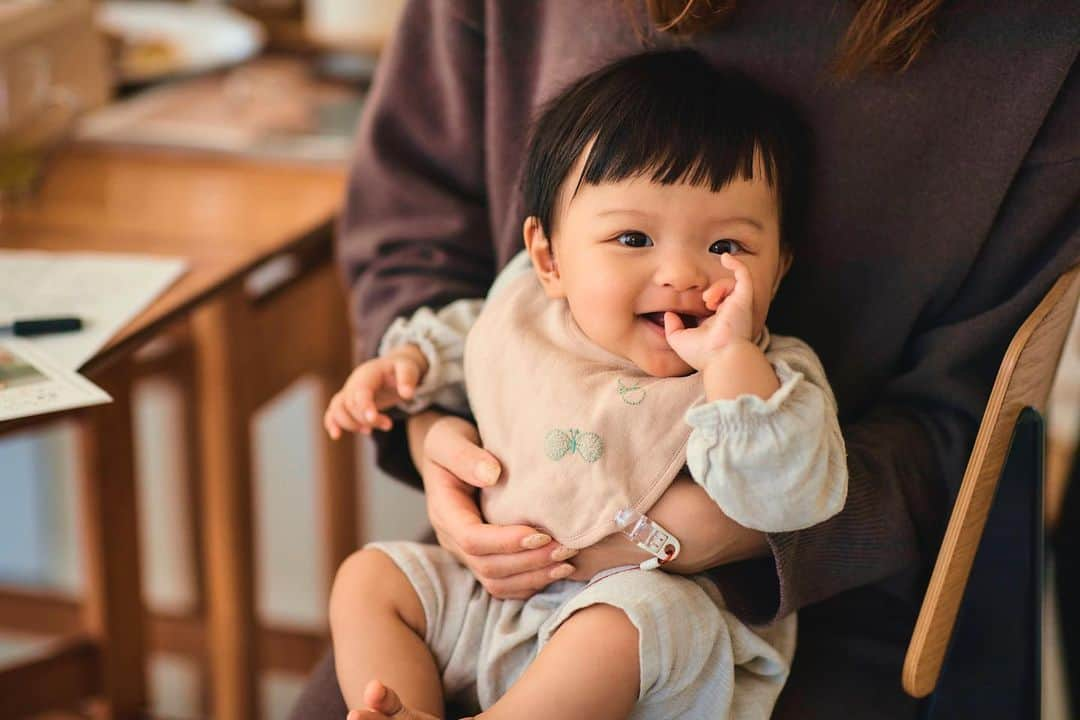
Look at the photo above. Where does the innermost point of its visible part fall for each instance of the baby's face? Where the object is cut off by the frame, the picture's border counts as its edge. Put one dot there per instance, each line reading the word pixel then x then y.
pixel 626 252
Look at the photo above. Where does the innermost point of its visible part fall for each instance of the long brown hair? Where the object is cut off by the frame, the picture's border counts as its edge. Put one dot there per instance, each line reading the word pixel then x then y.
pixel 884 35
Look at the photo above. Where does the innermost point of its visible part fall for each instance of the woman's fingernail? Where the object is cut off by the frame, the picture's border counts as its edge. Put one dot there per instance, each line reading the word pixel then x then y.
pixel 369 416
pixel 487 472
pixel 562 571
pixel 536 540
pixel 563 553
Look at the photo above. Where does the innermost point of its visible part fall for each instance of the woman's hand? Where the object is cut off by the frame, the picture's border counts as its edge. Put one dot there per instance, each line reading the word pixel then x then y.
pixel 510 561
pixel 708 537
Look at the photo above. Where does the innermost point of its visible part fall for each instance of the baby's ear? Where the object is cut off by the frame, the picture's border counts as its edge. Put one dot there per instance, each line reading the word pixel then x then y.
pixel 542 255
pixel 785 264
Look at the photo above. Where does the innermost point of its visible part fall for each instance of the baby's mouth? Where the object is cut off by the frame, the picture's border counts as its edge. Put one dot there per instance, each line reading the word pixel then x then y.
pixel 657 318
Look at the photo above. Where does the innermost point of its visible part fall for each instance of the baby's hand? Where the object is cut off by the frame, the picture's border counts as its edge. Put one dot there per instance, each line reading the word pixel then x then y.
pixel 733 320
pixel 373 386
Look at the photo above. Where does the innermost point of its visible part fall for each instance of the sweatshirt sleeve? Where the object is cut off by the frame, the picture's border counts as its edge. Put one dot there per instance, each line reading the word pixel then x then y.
pixel 414 230
pixel 776 464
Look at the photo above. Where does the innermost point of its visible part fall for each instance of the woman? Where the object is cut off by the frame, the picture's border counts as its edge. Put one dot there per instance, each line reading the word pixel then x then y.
pixel 946 178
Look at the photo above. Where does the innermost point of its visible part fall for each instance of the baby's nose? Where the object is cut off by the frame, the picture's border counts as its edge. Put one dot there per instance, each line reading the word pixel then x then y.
pixel 682 275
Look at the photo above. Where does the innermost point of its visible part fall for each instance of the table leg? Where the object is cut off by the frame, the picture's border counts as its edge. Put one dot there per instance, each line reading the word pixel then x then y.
pixel 171 358
pixel 225 411
pixel 339 457
pixel 339 496
pixel 113 607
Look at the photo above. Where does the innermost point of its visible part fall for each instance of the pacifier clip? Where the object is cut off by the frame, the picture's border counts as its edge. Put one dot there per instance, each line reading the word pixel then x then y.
pixel 648 535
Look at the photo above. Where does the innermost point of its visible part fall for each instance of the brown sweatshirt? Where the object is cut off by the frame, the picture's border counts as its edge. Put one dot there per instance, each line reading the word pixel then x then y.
pixel 945 204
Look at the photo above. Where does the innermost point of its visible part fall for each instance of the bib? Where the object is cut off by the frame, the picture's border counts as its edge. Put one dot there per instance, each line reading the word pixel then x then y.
pixel 581 433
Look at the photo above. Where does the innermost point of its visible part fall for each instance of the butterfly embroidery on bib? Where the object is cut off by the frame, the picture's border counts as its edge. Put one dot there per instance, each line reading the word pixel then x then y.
pixel 558 444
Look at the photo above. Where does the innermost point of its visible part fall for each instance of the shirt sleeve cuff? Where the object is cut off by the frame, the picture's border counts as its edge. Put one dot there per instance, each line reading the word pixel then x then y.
pixel 746 410
pixel 441 338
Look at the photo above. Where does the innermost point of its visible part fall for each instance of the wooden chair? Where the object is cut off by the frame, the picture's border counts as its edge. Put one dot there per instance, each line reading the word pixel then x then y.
pixel 1009 449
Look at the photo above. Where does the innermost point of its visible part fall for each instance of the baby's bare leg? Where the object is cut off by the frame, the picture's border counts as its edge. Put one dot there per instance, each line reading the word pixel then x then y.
pixel 589 669
pixel 378 627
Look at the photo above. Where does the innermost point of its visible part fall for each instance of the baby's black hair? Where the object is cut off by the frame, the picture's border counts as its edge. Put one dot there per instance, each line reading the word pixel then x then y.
pixel 676 118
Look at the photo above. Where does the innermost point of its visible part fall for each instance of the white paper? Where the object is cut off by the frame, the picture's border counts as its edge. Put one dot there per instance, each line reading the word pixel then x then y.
pixel 32 384
pixel 106 290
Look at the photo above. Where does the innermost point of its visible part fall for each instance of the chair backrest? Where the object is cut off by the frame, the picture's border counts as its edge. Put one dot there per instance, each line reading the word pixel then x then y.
pixel 1023 380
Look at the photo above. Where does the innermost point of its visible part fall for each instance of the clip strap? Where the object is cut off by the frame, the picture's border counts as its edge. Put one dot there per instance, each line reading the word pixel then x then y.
pixel 648 535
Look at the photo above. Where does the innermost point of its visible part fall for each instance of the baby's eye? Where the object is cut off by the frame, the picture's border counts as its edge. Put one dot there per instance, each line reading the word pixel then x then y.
pixel 634 239
pixel 726 246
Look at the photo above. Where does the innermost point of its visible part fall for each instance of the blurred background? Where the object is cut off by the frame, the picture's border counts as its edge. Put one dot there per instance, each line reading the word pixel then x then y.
pixel 277 84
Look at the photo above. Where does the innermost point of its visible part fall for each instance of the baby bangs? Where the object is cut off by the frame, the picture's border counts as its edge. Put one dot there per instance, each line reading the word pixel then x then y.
pixel 673 117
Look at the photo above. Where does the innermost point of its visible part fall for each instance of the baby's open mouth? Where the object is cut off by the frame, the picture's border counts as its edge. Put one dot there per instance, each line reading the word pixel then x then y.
pixel 657 318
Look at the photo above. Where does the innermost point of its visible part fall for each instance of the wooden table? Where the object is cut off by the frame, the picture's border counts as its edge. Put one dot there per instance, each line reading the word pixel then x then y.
pixel 227 217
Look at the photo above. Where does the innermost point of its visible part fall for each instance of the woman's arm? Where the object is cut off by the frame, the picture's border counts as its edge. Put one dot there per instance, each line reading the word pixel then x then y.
pixel 708 537
pixel 415 229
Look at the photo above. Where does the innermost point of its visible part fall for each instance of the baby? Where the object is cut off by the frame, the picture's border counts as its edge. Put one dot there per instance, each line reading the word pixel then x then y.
pixel 626 343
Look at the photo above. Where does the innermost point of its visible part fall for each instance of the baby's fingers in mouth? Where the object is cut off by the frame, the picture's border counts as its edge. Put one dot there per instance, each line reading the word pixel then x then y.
pixel 689 321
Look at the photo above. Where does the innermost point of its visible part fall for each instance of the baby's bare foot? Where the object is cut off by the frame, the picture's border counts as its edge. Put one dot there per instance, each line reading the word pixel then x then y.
pixel 384 704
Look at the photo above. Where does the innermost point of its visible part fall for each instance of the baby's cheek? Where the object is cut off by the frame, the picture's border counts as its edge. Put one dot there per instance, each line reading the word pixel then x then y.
pixel 596 320
pixel 761 310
